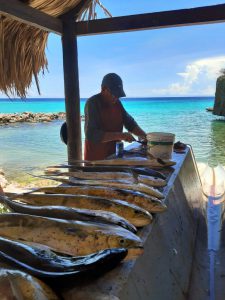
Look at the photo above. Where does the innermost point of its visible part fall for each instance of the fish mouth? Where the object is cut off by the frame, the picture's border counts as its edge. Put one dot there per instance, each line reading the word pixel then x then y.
pixel 134 252
pixel 142 223
pixel 159 209
pixel 131 228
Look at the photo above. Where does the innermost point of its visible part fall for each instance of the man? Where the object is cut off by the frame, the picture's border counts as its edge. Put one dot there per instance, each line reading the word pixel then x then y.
pixel 105 117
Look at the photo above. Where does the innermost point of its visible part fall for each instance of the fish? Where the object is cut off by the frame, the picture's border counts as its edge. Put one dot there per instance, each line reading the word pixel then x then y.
pixel 139 187
pixel 151 181
pixel 74 238
pixel 68 213
pixel 129 170
pixel 122 177
pixel 94 175
pixel 149 172
pixel 15 284
pixel 45 264
pixel 137 161
pixel 149 203
pixel 134 214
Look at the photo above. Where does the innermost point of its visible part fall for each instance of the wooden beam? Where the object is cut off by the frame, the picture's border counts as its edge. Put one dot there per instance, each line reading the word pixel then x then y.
pixel 74 12
pixel 164 19
pixel 19 11
pixel 72 94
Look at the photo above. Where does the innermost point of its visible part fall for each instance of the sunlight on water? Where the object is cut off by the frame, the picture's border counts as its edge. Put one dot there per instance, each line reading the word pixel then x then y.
pixel 28 147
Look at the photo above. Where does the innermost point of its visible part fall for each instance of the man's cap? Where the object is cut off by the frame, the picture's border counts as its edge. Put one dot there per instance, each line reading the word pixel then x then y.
pixel 114 83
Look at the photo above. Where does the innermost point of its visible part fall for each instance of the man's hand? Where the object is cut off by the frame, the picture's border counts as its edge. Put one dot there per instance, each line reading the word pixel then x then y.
pixel 140 133
pixel 117 136
pixel 127 137
pixel 142 139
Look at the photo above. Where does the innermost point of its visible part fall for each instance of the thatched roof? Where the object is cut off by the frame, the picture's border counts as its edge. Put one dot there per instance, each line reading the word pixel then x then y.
pixel 22 47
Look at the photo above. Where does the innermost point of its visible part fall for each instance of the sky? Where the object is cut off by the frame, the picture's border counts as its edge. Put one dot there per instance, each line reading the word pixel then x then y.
pixel 183 61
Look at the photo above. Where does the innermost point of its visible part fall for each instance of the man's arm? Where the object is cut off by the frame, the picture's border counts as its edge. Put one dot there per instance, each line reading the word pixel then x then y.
pixel 139 132
pixel 131 125
pixel 117 136
pixel 92 127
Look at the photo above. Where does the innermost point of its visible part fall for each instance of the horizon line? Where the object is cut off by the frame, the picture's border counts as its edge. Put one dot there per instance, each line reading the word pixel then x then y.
pixel 133 97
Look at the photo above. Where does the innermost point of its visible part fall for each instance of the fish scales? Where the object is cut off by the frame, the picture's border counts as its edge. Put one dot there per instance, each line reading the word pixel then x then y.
pixel 134 214
pixel 127 169
pixel 117 176
pixel 135 187
pixel 19 285
pixel 46 264
pixel 95 175
pixel 68 213
pixel 151 204
pixel 152 163
pixel 68 237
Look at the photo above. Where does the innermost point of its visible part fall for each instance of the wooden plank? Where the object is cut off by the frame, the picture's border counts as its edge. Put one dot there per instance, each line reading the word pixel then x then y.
pixel 72 94
pixel 26 14
pixel 165 19
pixel 73 13
pixel 163 271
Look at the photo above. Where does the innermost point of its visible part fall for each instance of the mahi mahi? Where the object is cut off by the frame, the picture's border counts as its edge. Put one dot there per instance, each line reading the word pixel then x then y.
pixel 107 176
pixel 136 215
pixel 151 204
pixel 19 285
pixel 151 163
pixel 68 213
pixel 127 169
pixel 143 188
pixel 69 237
pixel 45 263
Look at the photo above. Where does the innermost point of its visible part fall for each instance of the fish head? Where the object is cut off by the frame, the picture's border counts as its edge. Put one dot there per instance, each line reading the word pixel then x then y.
pixel 141 217
pixel 124 239
pixel 137 215
pixel 159 207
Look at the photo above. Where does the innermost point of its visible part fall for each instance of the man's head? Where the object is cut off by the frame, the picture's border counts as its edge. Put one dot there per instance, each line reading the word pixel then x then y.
pixel 114 84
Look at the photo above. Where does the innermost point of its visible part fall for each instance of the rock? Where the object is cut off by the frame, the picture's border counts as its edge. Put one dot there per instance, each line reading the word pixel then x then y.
pixel 30 117
pixel 3 180
pixel 219 104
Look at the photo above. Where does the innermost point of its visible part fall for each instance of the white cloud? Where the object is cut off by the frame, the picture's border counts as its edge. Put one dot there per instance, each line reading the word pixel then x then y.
pixel 198 78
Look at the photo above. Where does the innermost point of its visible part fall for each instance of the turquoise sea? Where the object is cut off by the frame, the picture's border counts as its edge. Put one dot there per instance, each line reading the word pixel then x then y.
pixel 29 147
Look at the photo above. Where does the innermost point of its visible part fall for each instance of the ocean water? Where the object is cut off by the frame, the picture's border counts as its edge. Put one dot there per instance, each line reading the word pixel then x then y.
pixel 28 147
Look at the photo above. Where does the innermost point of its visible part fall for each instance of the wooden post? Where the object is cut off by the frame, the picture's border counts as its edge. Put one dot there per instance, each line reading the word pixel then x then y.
pixel 72 94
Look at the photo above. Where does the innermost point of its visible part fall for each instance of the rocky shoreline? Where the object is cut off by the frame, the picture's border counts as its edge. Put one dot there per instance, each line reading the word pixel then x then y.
pixel 21 187
pixel 30 117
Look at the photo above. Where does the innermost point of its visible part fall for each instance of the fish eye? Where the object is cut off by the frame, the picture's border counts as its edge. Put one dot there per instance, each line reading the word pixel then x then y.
pixel 136 212
pixel 122 241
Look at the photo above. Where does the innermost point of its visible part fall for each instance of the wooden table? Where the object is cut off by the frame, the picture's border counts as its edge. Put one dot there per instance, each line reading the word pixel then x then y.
pixel 163 271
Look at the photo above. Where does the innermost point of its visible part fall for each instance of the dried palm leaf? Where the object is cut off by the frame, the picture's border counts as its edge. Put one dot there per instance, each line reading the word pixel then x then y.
pixel 22 47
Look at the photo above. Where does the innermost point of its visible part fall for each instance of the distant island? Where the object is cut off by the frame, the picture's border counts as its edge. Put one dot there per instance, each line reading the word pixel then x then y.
pixel 219 104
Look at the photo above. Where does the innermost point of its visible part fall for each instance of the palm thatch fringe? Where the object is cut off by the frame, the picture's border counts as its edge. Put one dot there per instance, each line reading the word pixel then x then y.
pixel 22 47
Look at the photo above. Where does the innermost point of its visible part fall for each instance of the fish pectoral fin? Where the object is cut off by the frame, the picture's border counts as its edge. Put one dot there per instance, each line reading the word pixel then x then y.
pixel 17 293
pixel 135 176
